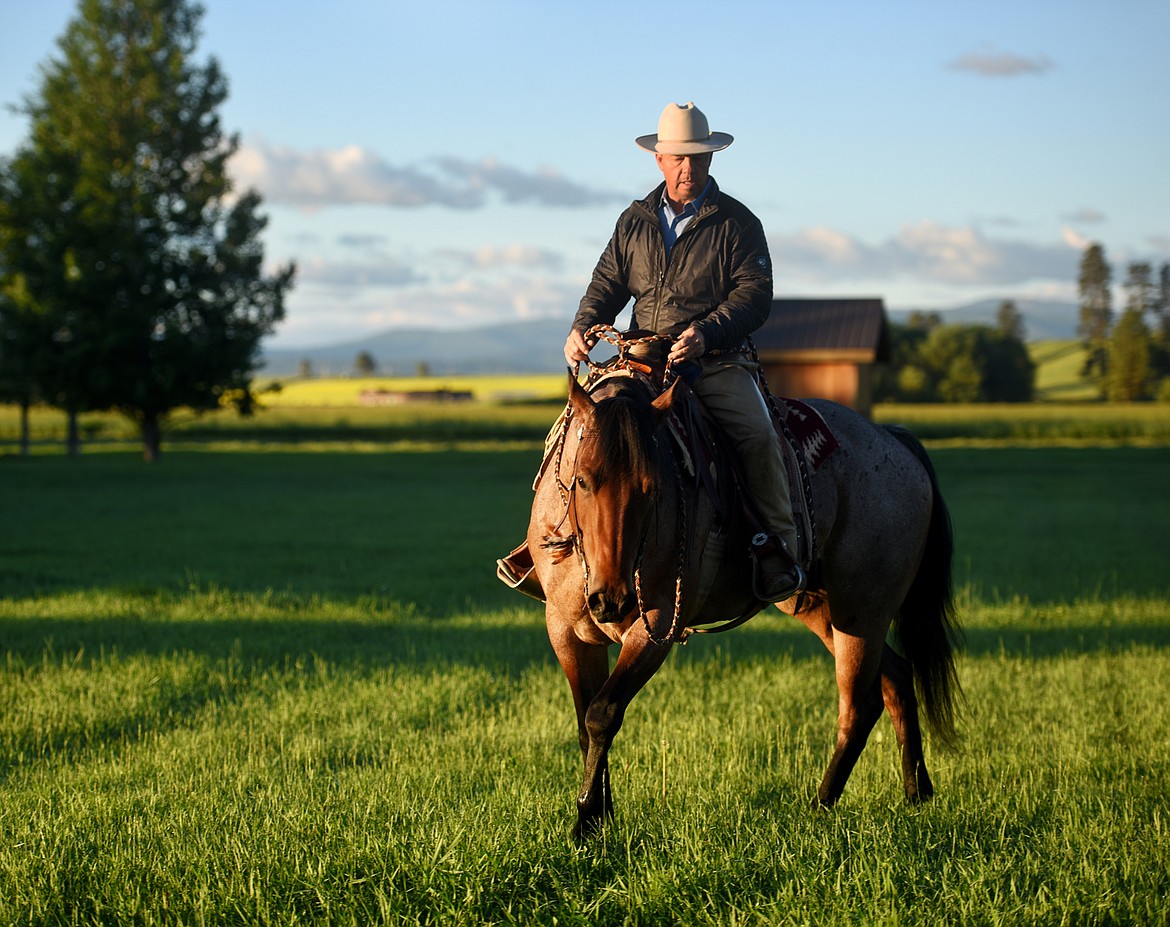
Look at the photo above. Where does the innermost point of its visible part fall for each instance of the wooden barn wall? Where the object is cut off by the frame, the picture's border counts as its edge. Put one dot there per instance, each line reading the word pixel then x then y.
pixel 846 383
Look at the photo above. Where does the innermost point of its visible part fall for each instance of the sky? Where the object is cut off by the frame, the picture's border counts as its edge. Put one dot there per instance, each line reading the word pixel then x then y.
pixel 458 163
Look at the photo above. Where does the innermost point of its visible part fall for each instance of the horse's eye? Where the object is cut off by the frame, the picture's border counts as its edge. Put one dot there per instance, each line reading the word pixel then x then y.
pixel 582 484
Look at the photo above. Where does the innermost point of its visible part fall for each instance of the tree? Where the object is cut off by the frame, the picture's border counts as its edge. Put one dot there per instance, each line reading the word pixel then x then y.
pixel 1140 292
pixel 136 249
pixel 1008 321
pixel 976 363
pixel 1096 313
pixel 365 365
pixel 1162 304
pixel 1128 377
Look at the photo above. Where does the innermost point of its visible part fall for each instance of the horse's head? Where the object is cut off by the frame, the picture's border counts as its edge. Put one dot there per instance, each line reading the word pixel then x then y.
pixel 617 474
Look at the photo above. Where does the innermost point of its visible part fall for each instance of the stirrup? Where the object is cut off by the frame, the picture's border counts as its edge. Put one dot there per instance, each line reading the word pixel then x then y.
pixel 760 542
pixel 517 571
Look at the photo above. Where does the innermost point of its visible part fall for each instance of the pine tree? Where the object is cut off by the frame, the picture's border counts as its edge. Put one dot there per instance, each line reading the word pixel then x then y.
pixel 1096 315
pixel 1128 379
pixel 1009 322
pixel 1162 303
pixel 121 227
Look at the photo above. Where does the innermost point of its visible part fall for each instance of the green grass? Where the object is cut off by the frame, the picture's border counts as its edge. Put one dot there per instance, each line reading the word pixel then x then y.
pixel 1059 366
pixel 286 688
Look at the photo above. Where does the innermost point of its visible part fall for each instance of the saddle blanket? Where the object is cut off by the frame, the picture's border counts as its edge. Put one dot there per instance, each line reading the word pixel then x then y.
pixel 809 431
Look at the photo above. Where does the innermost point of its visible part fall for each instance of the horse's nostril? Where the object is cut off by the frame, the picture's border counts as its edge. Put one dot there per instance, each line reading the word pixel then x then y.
pixel 606 608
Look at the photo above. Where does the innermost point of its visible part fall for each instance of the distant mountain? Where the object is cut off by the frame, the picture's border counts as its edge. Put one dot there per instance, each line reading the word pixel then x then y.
pixel 535 346
pixel 517 347
pixel 1044 320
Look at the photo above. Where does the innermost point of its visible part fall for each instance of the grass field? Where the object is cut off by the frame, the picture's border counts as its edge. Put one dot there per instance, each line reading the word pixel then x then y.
pixel 279 688
pixel 516 410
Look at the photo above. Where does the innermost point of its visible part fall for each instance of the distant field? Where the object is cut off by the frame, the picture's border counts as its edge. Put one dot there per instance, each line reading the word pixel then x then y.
pixel 1058 371
pixel 347 391
pixel 519 409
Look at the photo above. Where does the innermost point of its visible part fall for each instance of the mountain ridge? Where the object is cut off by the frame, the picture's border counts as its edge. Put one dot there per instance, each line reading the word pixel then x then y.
pixel 534 346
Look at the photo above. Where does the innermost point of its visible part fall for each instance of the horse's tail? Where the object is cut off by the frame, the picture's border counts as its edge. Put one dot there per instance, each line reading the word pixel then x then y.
pixel 927 631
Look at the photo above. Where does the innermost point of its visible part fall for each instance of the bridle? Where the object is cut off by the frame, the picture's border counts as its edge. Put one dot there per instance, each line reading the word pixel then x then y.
pixel 629 366
pixel 569 497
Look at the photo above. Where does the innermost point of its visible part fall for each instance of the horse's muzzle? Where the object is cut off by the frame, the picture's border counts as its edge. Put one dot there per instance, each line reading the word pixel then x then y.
pixel 610 606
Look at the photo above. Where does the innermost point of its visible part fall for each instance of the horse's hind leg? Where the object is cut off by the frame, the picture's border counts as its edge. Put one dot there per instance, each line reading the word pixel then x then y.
pixel 858 708
pixel 901 703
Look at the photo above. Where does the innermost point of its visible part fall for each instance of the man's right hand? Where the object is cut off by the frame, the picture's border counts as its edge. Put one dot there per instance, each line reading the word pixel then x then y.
pixel 576 348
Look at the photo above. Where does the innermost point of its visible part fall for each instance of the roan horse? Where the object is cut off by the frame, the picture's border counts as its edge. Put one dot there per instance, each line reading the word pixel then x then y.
pixel 629 551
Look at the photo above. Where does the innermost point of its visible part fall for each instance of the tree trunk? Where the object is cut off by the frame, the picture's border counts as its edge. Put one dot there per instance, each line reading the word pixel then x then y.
pixel 25 441
pixel 151 439
pixel 72 435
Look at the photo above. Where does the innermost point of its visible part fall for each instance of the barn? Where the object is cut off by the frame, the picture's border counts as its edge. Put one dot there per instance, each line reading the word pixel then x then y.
pixel 825 348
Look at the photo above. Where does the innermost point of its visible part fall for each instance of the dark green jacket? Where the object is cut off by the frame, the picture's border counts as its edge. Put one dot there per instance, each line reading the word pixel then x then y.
pixel 718 276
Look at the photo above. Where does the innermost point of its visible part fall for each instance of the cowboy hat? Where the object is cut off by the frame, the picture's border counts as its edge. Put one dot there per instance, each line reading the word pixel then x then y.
pixel 682 130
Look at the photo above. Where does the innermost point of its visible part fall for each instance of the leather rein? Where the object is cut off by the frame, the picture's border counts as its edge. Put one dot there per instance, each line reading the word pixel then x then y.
pixel 626 366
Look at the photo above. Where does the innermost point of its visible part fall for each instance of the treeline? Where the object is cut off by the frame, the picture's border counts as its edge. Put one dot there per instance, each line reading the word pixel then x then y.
pixel 131 273
pixel 1128 355
pixel 933 362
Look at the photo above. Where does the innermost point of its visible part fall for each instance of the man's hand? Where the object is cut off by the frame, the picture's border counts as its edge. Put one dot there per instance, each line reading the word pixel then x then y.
pixel 576 349
pixel 690 343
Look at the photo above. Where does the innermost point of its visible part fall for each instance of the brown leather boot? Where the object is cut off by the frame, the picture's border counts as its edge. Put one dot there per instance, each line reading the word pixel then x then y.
pixel 776 575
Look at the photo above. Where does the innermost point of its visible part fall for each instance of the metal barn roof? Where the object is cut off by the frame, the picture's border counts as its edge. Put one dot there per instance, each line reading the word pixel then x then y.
pixel 824 330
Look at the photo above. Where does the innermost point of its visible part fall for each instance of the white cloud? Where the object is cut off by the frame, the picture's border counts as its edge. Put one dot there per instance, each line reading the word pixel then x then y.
pixel 1000 64
pixel 498 257
pixel 316 316
pixel 545 187
pixel 357 275
pixel 1074 239
pixel 1086 215
pixel 356 175
pixel 927 251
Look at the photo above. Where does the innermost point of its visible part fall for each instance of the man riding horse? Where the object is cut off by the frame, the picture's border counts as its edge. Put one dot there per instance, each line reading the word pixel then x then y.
pixel 695 261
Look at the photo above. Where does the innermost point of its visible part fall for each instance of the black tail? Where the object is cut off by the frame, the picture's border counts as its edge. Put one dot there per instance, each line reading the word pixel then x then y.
pixel 927 631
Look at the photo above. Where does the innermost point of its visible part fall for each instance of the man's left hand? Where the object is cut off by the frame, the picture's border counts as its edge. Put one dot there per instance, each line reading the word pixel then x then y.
pixel 689 344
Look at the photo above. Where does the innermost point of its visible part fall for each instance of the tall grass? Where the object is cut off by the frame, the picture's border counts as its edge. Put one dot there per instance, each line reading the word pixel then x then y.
pixel 286 688
pixel 334 766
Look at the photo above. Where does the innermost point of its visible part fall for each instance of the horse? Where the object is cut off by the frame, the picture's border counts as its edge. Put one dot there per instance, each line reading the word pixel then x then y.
pixel 629 550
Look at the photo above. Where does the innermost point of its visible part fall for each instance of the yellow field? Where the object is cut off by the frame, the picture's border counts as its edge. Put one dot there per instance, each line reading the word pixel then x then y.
pixel 347 391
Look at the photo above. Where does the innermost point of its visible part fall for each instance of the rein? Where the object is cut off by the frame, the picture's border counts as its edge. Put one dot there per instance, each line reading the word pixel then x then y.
pixel 624 365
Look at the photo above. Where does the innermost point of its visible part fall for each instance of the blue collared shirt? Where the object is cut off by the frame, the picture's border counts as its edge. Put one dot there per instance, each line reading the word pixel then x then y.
pixel 673 223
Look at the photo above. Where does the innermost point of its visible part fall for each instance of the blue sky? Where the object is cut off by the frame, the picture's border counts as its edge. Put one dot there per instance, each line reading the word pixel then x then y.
pixel 462 163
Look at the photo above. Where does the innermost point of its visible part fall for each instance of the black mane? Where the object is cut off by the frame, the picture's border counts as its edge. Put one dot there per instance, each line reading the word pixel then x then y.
pixel 623 429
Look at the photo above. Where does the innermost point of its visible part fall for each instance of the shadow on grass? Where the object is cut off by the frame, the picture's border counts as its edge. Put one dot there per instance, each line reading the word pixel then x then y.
pixel 234 656
pixel 507 646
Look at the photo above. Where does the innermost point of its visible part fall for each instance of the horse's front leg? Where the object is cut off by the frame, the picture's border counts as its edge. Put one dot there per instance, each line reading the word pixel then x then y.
pixel 638 661
pixel 586 667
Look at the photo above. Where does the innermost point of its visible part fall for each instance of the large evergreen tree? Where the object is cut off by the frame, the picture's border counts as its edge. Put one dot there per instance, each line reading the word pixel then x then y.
pixel 1096 312
pixel 1162 303
pixel 119 226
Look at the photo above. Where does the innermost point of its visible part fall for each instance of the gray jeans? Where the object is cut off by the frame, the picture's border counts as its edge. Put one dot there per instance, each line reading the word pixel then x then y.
pixel 727 387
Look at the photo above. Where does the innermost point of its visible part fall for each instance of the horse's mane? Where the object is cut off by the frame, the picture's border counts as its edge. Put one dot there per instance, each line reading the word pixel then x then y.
pixel 623 427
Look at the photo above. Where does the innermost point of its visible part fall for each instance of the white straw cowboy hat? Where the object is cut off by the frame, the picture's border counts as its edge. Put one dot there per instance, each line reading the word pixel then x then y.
pixel 682 130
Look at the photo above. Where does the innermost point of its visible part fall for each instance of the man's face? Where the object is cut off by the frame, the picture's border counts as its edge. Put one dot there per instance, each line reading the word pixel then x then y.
pixel 686 175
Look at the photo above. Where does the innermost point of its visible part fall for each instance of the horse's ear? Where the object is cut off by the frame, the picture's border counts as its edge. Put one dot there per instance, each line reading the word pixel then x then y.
pixel 579 399
pixel 664 401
